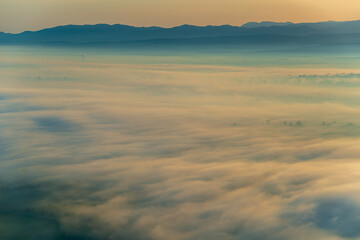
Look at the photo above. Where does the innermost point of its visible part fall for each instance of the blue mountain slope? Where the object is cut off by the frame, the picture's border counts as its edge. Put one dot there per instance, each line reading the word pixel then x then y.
pixel 251 33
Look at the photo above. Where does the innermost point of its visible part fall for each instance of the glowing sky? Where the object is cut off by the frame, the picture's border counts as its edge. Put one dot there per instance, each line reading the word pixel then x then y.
pixel 20 15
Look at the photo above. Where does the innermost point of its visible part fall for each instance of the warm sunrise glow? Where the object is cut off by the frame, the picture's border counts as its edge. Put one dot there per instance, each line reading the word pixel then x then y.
pixel 21 15
pixel 218 120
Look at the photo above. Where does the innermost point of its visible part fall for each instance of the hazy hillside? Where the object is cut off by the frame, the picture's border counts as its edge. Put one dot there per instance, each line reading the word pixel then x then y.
pixel 251 33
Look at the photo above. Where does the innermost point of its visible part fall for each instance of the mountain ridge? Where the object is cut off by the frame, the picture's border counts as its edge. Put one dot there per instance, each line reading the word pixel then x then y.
pixel 264 32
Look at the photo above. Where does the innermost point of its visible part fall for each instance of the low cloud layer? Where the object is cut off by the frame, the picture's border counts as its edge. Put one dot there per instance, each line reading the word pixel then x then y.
pixel 120 151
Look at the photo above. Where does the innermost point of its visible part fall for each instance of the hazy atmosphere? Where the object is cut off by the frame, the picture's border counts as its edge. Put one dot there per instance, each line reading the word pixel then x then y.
pixel 113 131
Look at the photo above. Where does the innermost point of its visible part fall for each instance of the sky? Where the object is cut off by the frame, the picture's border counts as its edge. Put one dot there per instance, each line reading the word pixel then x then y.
pixel 20 15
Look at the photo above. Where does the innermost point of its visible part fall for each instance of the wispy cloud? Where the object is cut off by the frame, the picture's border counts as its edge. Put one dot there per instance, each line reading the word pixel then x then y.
pixel 179 152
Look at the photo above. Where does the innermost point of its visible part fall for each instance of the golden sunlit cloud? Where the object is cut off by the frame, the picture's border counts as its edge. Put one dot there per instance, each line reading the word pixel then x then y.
pixel 164 151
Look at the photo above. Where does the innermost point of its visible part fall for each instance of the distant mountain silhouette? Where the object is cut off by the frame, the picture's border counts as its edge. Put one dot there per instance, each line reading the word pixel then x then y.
pixel 265 24
pixel 249 34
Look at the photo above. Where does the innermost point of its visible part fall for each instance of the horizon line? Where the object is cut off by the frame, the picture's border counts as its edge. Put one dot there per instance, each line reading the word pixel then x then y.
pixel 175 26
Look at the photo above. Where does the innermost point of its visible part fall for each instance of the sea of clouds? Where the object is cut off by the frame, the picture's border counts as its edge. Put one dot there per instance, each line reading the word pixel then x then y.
pixel 104 150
